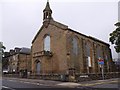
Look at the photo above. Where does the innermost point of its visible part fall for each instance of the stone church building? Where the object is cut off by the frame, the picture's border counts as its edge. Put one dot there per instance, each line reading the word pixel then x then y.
pixel 57 49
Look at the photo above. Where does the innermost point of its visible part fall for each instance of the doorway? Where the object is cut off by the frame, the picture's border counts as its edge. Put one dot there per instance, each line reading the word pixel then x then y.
pixel 38 67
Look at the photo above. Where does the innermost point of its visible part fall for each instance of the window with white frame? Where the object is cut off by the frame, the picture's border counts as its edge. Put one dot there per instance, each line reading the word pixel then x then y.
pixel 47 43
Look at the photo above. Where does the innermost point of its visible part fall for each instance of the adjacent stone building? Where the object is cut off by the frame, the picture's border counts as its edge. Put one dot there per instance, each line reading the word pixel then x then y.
pixel 24 61
pixel 5 62
pixel 57 49
pixel 19 61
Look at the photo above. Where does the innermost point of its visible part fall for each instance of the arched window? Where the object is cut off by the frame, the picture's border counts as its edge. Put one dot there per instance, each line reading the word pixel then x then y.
pixel 99 53
pixel 87 50
pixel 88 55
pixel 47 43
pixel 75 46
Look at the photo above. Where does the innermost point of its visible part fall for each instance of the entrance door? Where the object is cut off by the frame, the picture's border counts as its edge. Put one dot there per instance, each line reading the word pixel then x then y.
pixel 38 67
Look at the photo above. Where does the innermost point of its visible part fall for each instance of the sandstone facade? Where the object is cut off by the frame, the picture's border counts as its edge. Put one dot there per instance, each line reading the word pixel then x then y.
pixel 69 52
pixel 19 60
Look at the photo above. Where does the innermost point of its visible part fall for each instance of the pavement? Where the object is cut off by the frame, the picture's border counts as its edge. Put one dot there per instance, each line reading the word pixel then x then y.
pixel 94 83
pixel 59 84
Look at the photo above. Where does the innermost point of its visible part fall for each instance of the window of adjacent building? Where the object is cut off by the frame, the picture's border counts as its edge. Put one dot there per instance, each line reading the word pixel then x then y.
pixel 13 57
pixel 75 46
pixel 47 43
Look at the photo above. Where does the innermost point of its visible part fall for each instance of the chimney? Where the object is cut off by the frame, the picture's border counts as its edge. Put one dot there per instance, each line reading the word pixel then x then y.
pixel 17 50
pixel 12 51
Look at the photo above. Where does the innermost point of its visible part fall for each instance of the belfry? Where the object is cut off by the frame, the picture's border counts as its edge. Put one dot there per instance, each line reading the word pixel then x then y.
pixel 47 12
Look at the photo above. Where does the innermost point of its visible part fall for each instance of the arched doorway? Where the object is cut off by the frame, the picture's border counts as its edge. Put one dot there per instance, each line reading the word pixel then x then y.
pixel 38 67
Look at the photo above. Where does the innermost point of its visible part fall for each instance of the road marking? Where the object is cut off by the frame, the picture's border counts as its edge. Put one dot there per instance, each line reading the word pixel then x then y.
pixel 31 83
pixel 98 83
pixel 26 82
pixel 37 83
pixel 10 80
pixel 69 84
pixel 8 88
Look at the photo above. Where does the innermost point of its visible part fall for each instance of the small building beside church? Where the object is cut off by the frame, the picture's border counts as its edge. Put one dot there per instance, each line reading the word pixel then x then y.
pixel 19 61
pixel 57 49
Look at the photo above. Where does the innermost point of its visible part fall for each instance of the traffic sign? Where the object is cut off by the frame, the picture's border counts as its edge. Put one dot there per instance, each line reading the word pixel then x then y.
pixel 101 61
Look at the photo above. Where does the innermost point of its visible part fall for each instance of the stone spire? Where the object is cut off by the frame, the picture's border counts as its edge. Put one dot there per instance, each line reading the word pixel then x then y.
pixel 47 12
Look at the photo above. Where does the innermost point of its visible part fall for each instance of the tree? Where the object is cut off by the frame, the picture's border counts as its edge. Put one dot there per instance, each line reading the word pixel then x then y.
pixel 1 55
pixel 5 60
pixel 2 48
pixel 115 37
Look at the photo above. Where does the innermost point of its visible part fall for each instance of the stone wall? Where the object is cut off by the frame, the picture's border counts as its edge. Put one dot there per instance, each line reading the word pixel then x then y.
pixel 57 63
pixel 65 77
pixel 79 62
pixel 24 62
pixel 64 58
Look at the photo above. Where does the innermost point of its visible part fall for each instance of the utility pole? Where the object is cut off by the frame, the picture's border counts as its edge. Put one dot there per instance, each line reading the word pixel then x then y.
pixel 101 63
pixel 102 72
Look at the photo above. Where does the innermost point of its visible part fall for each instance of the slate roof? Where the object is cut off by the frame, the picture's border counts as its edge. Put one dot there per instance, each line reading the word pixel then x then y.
pixel 65 27
pixel 25 50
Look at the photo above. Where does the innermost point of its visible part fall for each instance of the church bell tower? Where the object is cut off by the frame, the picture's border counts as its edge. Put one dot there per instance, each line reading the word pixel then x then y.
pixel 47 13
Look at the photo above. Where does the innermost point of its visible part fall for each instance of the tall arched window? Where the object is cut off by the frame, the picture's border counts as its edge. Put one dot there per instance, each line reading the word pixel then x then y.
pixel 47 43
pixel 99 53
pixel 87 49
pixel 75 46
pixel 89 64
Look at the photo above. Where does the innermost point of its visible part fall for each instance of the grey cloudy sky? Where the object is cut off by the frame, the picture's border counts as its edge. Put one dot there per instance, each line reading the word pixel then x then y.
pixel 20 20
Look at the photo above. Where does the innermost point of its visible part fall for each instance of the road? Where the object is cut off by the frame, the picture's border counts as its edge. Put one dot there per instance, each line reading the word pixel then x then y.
pixel 15 84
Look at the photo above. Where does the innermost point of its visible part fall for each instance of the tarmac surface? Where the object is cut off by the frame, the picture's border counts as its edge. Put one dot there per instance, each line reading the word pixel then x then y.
pixel 15 83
